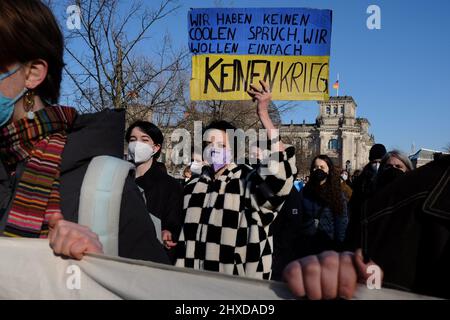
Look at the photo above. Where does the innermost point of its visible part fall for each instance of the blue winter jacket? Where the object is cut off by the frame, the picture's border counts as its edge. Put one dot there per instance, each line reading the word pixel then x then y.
pixel 334 226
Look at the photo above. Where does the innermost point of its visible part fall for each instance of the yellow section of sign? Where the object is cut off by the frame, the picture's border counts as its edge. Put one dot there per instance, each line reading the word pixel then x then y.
pixel 227 77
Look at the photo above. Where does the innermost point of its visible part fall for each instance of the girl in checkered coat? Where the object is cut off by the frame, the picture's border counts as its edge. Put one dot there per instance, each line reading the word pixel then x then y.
pixel 229 207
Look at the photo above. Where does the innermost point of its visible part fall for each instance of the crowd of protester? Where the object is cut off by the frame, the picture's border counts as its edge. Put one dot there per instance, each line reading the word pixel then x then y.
pixel 254 219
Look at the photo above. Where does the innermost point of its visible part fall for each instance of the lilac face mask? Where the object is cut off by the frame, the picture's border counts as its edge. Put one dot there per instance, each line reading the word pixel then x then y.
pixel 220 157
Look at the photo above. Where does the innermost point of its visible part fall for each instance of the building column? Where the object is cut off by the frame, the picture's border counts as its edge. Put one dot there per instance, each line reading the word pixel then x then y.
pixel 347 149
pixel 359 153
pixel 323 143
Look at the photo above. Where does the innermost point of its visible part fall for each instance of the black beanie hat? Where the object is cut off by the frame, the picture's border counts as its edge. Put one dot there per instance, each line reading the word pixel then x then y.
pixel 377 152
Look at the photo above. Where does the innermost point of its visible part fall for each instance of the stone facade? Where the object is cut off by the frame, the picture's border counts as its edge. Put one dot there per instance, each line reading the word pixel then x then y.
pixel 337 133
pixel 424 156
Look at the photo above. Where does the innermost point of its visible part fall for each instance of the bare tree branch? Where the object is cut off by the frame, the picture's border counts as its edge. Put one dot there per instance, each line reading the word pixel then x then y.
pixel 114 74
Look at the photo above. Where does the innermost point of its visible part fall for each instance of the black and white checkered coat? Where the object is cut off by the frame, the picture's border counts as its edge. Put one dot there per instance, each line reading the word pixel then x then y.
pixel 227 220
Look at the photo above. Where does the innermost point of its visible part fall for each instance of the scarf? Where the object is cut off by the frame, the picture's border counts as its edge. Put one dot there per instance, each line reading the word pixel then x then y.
pixel 39 143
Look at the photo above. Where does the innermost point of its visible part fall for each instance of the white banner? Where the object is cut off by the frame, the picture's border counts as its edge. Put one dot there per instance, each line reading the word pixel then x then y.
pixel 30 270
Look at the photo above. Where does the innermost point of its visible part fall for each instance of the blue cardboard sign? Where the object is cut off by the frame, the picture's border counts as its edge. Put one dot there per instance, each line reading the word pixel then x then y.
pixel 260 31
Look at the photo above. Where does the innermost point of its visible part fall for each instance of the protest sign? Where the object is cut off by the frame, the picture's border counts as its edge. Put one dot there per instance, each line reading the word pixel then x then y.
pixel 233 48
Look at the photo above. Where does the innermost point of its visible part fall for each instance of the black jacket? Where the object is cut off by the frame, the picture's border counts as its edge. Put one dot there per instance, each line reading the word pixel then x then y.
pixel 406 230
pixel 285 233
pixel 164 196
pixel 364 187
pixel 94 135
pixel 295 234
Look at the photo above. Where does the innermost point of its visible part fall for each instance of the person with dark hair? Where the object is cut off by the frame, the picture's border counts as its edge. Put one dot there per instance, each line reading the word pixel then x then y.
pixel 405 230
pixel 346 185
pixel 323 209
pixel 312 220
pixel 364 187
pixel 29 32
pixel 229 208
pixel 355 176
pixel 145 132
pixel 46 149
pixel 163 193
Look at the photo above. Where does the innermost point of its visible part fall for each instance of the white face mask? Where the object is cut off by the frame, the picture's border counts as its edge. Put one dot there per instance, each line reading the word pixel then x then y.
pixel 344 176
pixel 196 167
pixel 139 152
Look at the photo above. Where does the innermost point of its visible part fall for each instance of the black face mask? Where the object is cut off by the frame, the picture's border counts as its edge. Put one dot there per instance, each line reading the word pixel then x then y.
pixel 318 176
pixel 389 175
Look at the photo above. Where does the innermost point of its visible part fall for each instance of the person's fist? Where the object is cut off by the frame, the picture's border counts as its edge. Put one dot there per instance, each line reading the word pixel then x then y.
pixel 71 239
pixel 166 237
pixel 329 275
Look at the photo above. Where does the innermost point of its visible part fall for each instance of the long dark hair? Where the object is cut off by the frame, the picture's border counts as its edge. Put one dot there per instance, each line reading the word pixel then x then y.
pixel 330 192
